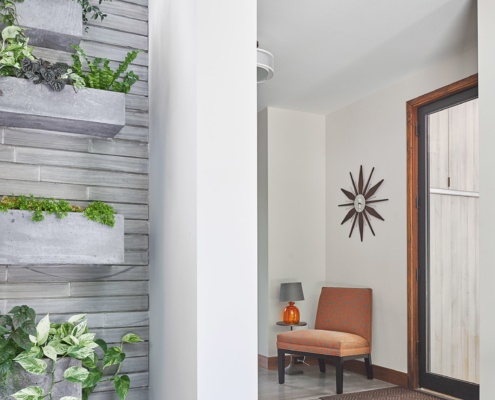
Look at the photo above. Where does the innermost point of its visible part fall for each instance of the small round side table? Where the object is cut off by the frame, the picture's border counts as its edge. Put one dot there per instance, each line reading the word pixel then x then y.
pixel 291 369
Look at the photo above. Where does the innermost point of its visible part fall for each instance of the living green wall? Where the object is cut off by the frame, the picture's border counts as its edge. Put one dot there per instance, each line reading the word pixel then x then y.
pixel 81 168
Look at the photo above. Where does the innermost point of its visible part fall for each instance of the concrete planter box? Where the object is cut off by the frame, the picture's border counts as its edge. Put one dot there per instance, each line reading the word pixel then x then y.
pixel 54 24
pixel 20 379
pixel 89 111
pixel 71 240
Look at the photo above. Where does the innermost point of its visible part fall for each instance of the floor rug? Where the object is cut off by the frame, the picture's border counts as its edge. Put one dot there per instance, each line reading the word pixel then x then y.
pixel 395 393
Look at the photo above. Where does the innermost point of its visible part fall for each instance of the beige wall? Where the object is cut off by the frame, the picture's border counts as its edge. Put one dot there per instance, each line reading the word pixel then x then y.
pixel 291 173
pixel 372 132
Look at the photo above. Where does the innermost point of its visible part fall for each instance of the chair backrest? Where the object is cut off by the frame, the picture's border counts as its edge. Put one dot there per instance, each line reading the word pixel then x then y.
pixel 345 310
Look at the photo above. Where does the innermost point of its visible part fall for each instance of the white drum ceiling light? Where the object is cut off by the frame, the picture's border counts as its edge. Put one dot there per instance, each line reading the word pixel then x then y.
pixel 264 66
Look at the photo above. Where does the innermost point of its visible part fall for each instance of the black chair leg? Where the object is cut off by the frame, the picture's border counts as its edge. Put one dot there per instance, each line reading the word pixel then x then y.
pixel 321 363
pixel 340 375
pixel 369 367
pixel 281 366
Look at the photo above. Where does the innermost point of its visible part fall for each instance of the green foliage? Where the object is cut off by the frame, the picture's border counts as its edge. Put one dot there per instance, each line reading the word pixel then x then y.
pixel 56 76
pixel 15 328
pixel 72 339
pixel 76 81
pixel 122 385
pixel 39 206
pixel 8 12
pixel 14 50
pixel 93 12
pixel 100 212
pixel 30 393
pixel 16 59
pixel 131 338
pixel 101 76
pixel 96 211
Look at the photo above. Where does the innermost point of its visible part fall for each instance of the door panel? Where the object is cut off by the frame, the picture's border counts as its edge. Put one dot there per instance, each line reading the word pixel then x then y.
pixel 454 300
pixel 464 146
pixel 448 246
pixel 439 149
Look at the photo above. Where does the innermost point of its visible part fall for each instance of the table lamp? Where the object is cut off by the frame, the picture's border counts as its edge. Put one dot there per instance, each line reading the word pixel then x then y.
pixel 291 292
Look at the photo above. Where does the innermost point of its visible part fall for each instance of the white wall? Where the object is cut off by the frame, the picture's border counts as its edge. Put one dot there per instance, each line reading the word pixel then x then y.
pixel 372 132
pixel 203 199
pixel 292 198
pixel 486 49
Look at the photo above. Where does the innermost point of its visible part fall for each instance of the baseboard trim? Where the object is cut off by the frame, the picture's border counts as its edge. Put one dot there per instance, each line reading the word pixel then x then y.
pixel 384 374
pixel 268 362
pixel 271 363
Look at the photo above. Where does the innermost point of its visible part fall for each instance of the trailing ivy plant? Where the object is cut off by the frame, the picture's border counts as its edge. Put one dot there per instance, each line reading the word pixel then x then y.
pixel 93 12
pixel 101 76
pixel 72 339
pixel 15 328
pixel 14 49
pixel 8 12
pixel 96 211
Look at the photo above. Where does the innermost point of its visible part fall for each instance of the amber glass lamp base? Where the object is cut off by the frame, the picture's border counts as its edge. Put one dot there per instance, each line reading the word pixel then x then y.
pixel 291 314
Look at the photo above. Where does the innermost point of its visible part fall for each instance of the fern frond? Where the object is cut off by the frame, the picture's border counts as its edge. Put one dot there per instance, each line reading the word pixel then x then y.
pixel 129 58
pixel 100 74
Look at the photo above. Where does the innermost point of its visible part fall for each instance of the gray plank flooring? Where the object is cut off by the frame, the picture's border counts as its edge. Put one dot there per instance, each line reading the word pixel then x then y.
pixel 311 385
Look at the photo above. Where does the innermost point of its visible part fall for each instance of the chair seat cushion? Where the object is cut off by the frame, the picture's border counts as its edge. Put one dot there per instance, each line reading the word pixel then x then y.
pixel 319 341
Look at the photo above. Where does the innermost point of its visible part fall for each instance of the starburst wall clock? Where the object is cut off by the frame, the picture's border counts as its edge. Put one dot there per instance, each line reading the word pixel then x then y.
pixel 362 203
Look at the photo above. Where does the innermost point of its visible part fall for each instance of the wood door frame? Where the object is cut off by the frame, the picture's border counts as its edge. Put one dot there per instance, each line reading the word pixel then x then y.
pixel 412 217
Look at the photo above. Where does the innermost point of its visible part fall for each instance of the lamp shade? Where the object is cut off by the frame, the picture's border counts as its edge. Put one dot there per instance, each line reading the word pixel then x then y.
pixel 291 291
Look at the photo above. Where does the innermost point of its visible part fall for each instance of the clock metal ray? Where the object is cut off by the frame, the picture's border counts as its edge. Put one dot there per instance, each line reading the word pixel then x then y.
pixel 349 215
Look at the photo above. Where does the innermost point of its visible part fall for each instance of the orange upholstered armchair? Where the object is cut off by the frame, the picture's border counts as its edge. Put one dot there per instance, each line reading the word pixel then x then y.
pixel 342 332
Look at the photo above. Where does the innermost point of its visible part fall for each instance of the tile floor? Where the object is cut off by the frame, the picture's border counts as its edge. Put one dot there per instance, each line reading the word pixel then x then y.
pixel 311 385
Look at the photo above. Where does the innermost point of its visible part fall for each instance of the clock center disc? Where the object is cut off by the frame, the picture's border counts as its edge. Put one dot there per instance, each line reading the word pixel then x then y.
pixel 359 203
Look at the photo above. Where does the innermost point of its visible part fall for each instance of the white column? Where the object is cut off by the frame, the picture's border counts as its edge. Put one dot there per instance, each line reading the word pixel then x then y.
pixel 203 200
pixel 227 200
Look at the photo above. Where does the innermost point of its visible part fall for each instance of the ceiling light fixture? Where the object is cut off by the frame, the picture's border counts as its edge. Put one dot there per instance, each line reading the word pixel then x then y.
pixel 264 65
